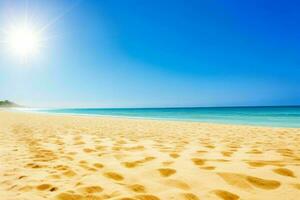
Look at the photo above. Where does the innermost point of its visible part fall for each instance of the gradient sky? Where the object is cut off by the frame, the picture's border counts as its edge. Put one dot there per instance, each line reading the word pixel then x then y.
pixel 134 53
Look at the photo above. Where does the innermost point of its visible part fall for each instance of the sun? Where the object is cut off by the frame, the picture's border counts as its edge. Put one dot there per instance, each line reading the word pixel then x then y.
pixel 26 36
pixel 24 41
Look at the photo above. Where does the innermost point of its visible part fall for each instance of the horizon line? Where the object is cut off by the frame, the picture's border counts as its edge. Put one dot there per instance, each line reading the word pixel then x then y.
pixel 167 107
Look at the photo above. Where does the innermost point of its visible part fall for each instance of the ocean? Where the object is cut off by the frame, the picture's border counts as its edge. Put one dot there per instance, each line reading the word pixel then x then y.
pixel 279 116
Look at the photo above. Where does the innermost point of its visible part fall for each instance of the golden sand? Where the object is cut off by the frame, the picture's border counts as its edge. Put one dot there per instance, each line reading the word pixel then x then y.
pixel 93 158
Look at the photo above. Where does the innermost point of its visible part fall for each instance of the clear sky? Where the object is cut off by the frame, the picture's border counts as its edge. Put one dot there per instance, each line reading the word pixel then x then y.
pixel 153 53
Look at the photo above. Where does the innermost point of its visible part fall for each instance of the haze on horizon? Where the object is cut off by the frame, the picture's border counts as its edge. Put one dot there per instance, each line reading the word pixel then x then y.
pixel 134 53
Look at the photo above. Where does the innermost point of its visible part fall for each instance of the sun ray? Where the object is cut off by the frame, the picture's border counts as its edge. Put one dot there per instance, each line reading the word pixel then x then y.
pixel 60 16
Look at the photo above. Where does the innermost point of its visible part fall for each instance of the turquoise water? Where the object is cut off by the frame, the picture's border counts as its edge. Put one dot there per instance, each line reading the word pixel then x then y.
pixel 262 116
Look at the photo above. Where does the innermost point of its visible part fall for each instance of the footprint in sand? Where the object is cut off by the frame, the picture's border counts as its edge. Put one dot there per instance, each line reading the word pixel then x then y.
pixel 208 167
pixel 137 162
pixel 130 164
pixel 284 172
pixel 245 182
pixel 69 173
pixel 263 183
pixel 100 148
pixel 61 167
pixel 189 196
pixel 72 196
pixel 221 160
pixel 88 150
pixel 146 197
pixel 114 176
pixel 137 188
pixel 43 187
pixel 53 189
pixel 226 195
pixel 256 163
pixel 86 167
pixel 166 172
pixel 68 196
pixel 254 151
pixel 286 152
pixel 227 153
pixel 116 148
pixel 135 148
pixel 262 163
pixel 83 162
pixel 35 166
pixel 237 180
pixel 174 155
pixel 167 163
pixel 91 189
pixel 72 153
pixel 177 184
pixel 21 177
pixel 149 158
pixel 54 176
pixel 201 151
pixel 198 161
pixel 210 146
pixel 98 165
pixel 77 138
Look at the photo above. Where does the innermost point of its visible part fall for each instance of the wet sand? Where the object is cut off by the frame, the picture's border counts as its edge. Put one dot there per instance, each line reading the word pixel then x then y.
pixel 92 158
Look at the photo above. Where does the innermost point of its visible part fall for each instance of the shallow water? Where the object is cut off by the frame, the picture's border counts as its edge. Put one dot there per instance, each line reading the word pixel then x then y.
pixel 285 116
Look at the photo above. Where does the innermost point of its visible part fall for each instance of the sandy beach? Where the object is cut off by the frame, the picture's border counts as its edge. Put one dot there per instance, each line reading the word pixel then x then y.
pixel 93 158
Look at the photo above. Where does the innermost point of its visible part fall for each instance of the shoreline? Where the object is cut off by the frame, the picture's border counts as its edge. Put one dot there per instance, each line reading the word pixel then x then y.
pixel 154 119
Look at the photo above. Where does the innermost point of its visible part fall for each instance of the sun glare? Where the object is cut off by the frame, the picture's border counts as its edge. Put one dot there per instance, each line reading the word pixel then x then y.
pixel 23 41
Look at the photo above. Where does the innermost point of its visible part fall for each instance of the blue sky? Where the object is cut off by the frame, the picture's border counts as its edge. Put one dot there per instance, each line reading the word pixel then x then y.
pixel 133 53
